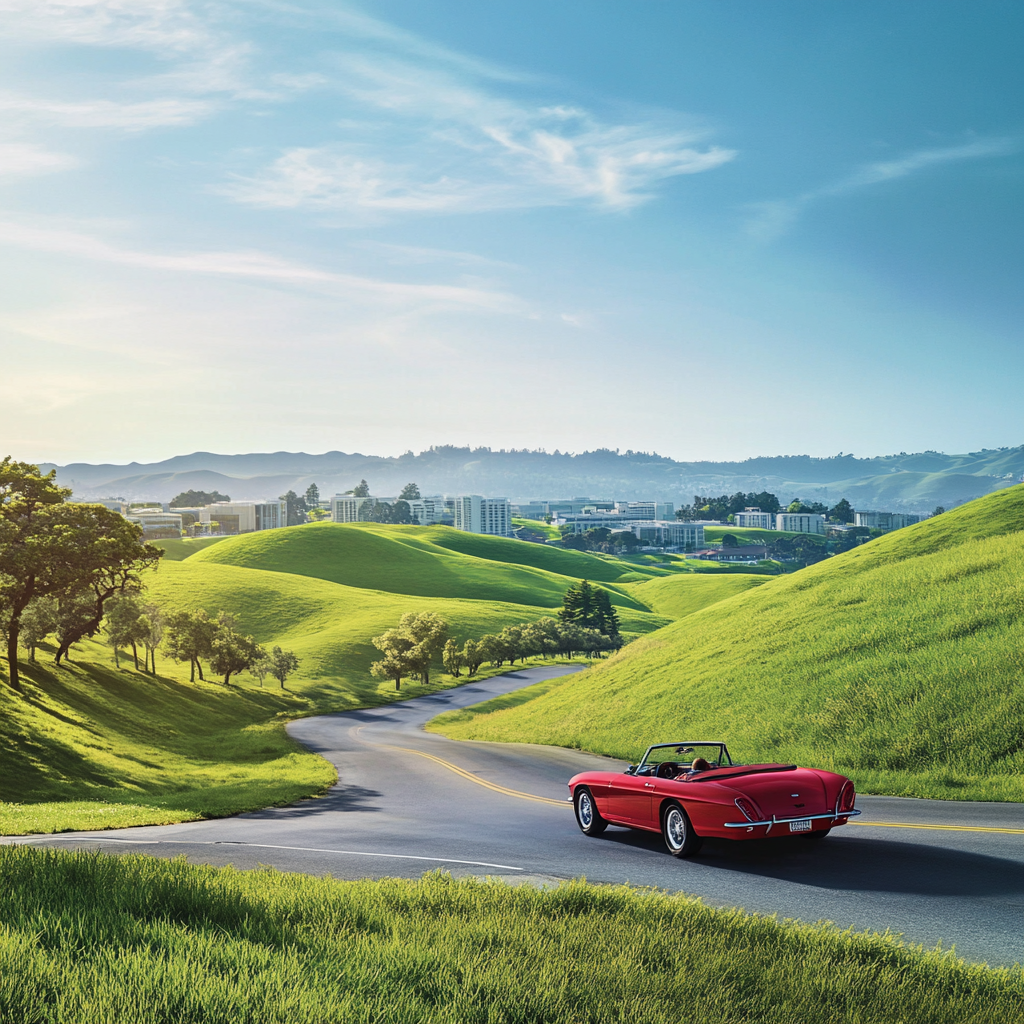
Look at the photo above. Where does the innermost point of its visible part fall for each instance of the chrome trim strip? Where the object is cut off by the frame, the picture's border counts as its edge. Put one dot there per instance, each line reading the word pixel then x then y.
pixel 782 821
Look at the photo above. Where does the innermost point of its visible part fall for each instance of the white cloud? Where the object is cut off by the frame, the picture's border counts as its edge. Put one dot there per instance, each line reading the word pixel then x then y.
pixel 254 266
pixel 107 113
pixel 772 219
pixel 24 159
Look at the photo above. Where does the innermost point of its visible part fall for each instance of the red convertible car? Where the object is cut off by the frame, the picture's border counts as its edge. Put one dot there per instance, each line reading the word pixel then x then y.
pixel 690 791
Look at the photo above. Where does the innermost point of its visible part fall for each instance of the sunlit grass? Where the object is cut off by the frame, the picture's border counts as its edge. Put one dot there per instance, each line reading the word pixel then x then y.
pixel 86 937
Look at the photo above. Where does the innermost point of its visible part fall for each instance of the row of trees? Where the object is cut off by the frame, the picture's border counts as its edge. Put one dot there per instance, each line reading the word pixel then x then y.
pixel 600 539
pixel 587 624
pixel 726 505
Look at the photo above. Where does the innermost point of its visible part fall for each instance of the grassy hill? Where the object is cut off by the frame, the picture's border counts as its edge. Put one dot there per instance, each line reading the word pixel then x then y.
pixel 94 744
pixel 900 663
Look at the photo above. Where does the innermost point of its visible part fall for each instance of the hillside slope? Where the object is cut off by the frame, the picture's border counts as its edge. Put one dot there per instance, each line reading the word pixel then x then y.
pixel 900 663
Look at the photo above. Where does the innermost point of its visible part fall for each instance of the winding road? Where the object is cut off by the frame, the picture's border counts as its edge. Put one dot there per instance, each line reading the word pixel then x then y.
pixel 408 801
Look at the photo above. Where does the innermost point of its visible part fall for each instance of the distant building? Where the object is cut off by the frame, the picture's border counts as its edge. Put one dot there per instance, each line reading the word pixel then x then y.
pixel 646 510
pixel 156 523
pixel 748 553
pixel 346 509
pixel 245 516
pixel 669 533
pixel 885 521
pixel 800 522
pixel 542 508
pixel 755 519
pixel 477 514
pixel 432 510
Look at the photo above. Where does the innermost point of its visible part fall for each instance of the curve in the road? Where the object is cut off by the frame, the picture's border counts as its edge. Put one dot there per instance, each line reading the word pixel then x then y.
pixel 407 799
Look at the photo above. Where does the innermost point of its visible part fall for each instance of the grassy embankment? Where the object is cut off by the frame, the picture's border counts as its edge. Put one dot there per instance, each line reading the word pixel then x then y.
pixel 900 663
pixel 88 937
pixel 94 746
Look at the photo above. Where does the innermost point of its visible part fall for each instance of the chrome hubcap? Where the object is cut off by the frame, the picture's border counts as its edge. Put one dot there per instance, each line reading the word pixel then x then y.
pixel 675 828
pixel 585 810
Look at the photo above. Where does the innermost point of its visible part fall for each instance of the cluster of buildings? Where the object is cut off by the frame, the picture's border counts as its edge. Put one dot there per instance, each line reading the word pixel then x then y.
pixel 808 522
pixel 470 512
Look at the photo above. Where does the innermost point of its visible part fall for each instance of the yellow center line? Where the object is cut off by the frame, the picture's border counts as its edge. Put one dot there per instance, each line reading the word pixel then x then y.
pixel 483 782
pixel 950 828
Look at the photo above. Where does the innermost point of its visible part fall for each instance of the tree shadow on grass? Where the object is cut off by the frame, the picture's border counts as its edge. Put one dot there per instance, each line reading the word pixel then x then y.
pixel 850 863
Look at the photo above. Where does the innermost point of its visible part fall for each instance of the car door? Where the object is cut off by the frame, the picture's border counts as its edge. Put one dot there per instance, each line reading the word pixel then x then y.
pixel 629 798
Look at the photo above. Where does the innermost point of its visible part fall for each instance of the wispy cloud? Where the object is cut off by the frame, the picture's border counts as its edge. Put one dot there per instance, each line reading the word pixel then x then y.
pixel 24 159
pixel 252 265
pixel 773 218
pixel 107 113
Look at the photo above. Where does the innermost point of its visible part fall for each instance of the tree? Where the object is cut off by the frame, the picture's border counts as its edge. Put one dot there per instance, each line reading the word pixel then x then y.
pixel 395 644
pixel 729 541
pixel 260 668
pixel 453 658
pixel 428 632
pixel 190 637
pixel 410 492
pixel 50 547
pixel 401 512
pixel 606 618
pixel 841 512
pixel 312 497
pixel 231 651
pixel 296 508
pixel 578 604
pixel 76 613
pixel 362 490
pixel 282 665
pixel 938 510
pixel 123 629
pixel 38 621
pixel 472 656
pixel 196 499
pixel 151 625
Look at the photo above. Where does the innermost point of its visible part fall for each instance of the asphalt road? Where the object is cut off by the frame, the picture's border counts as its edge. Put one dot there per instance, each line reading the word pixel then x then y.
pixel 408 801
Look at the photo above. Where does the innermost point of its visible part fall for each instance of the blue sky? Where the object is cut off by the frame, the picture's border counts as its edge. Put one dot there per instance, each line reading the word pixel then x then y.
pixel 714 230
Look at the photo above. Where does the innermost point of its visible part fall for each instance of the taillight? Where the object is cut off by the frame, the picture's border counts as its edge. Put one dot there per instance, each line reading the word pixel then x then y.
pixel 749 808
pixel 847 797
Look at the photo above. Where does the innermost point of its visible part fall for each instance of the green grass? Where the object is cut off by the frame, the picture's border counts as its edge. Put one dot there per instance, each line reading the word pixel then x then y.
pixel 132 938
pixel 179 550
pixel 900 663
pixel 93 747
pixel 754 536
pixel 678 596
pixel 539 526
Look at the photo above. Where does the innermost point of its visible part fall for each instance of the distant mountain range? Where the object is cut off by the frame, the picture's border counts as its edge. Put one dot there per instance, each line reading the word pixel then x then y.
pixel 901 482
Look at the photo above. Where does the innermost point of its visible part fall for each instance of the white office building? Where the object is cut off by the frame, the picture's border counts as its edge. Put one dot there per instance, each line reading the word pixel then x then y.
pixel 649 511
pixel 754 519
pixel 346 509
pixel 800 522
pixel 245 516
pixel 669 534
pixel 477 514
pixel 885 521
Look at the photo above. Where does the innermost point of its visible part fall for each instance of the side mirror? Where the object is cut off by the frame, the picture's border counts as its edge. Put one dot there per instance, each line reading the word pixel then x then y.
pixel 631 769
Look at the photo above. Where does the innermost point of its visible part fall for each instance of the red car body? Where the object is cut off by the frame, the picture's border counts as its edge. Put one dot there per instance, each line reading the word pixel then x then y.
pixel 724 801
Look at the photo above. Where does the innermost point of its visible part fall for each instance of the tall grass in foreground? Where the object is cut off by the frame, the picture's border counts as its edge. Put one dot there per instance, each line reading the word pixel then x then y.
pixel 84 937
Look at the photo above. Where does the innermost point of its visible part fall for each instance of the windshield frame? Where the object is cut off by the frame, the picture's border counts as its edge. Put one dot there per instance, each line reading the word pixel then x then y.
pixel 722 760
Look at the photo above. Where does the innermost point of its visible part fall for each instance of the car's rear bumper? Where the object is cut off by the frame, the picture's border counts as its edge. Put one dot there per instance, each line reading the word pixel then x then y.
pixel 833 817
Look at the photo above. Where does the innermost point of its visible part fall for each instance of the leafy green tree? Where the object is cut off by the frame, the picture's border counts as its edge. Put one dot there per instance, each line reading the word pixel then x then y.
pixel 151 626
pixel 190 638
pixel 395 645
pixel 260 668
pixel 472 656
pixel 296 508
pixel 282 665
pixel 939 509
pixel 123 628
pixel 409 492
pixel 312 497
pixel 729 541
pixel 53 548
pixel 232 652
pixel 361 490
pixel 452 657
pixel 841 512
pixel 76 618
pixel 38 621
pixel 429 633
pixel 197 499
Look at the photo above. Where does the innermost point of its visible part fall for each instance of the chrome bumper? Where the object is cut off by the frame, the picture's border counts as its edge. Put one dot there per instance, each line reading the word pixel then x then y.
pixel 773 820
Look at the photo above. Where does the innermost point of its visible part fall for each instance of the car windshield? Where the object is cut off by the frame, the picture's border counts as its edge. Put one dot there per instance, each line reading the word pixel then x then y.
pixel 684 754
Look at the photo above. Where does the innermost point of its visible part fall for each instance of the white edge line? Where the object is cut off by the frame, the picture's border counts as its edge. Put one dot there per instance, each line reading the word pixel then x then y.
pixel 270 846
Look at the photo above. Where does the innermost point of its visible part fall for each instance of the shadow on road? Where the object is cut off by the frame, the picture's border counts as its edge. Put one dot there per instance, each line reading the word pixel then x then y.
pixel 340 799
pixel 849 863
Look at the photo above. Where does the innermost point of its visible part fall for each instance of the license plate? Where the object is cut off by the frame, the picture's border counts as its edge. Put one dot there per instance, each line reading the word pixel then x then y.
pixel 800 826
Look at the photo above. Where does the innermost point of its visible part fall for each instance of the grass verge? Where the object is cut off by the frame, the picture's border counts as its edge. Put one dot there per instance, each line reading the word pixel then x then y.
pixel 90 937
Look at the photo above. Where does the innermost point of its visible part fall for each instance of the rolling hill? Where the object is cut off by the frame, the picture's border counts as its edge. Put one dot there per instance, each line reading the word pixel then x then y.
pixel 900 663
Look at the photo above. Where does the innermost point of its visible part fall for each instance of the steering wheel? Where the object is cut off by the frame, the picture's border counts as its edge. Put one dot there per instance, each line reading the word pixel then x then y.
pixel 668 770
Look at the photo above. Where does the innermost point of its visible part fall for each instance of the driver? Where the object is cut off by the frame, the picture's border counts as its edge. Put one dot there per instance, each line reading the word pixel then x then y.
pixel 699 765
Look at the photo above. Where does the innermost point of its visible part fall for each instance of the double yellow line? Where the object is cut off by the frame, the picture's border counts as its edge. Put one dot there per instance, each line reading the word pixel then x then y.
pixel 470 777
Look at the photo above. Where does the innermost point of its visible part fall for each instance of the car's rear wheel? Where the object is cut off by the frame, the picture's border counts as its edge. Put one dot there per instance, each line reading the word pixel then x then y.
pixel 587 815
pixel 819 833
pixel 677 831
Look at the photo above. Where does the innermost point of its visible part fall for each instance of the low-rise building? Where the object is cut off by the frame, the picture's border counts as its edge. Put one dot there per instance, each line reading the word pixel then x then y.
pixel 668 533
pixel 800 522
pixel 745 553
pixel 541 508
pixel 755 519
pixel 245 516
pixel 476 514
pixel 885 521
pixel 346 509
pixel 156 523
